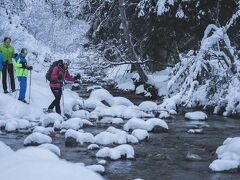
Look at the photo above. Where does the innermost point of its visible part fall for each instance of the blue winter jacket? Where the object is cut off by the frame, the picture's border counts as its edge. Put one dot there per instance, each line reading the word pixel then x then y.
pixel 1 62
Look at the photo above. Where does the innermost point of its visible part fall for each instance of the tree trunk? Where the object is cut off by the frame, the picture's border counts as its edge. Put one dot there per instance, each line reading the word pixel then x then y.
pixel 135 58
pixel 128 40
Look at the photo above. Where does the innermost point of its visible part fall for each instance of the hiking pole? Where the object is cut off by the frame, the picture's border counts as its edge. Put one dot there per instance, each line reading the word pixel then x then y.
pixel 63 101
pixel 30 86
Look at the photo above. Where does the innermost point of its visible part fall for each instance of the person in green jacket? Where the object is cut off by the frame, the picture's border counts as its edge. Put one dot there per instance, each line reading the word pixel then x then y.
pixel 8 54
pixel 22 69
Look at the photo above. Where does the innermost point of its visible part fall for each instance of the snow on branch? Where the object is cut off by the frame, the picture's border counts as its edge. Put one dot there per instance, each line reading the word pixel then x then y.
pixel 208 77
pixel 163 6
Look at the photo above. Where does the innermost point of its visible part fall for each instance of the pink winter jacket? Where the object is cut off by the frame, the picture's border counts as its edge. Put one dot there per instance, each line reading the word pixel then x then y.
pixel 55 82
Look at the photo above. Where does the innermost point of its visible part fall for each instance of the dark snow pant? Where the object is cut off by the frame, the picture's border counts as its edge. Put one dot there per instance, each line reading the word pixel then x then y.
pixel 9 68
pixel 56 102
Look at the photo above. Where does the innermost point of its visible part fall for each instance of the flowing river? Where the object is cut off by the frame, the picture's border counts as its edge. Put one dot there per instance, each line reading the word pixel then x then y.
pixel 163 156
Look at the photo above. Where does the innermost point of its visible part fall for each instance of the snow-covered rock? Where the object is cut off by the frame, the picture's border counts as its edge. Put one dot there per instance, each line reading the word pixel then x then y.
pixel 122 151
pixel 92 103
pixel 51 147
pixel 193 157
pixel 121 111
pixel 102 162
pixel 94 116
pixel 140 90
pixel 195 131
pixel 172 111
pixel 198 115
pixel 73 123
pixel 102 95
pixel 149 125
pixel 83 114
pixel 15 124
pixel 48 131
pixel 148 106
pixel 122 101
pixel 111 120
pixel 11 126
pixel 93 146
pixel 228 155
pixel 223 165
pixel 135 112
pixel 39 163
pixel 105 138
pixel 37 138
pixel 135 123
pixel 140 134
pixel 51 118
pixel 79 137
pixel 164 115
pixel 114 136
pixel 157 123
pixel 121 136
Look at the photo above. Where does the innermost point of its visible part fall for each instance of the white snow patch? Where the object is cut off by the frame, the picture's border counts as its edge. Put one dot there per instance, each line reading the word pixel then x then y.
pixel 38 163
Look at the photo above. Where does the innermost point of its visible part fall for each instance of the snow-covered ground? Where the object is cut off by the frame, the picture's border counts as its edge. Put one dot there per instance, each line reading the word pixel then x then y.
pixel 39 163
pixel 124 79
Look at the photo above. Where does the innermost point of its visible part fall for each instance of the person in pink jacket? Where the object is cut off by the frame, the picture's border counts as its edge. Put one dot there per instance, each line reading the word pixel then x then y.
pixel 58 75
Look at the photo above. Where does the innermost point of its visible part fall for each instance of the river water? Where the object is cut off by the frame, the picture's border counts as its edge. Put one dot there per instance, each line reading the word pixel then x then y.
pixel 163 156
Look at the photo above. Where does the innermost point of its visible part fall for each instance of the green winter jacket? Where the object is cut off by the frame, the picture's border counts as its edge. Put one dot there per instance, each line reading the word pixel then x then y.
pixel 8 53
pixel 18 64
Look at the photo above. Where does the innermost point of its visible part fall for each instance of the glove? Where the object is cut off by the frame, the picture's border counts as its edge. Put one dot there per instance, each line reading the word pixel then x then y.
pixel 30 68
pixel 5 63
pixel 78 76
pixel 60 77
pixel 24 65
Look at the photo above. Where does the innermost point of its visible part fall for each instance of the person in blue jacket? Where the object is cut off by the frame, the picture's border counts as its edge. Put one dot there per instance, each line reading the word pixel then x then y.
pixel 21 69
pixel 1 64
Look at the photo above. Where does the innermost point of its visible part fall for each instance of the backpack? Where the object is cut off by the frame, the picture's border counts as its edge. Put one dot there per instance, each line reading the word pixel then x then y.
pixel 49 72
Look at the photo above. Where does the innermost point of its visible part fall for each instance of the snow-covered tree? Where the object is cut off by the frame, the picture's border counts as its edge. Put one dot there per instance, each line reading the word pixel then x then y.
pixel 210 77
